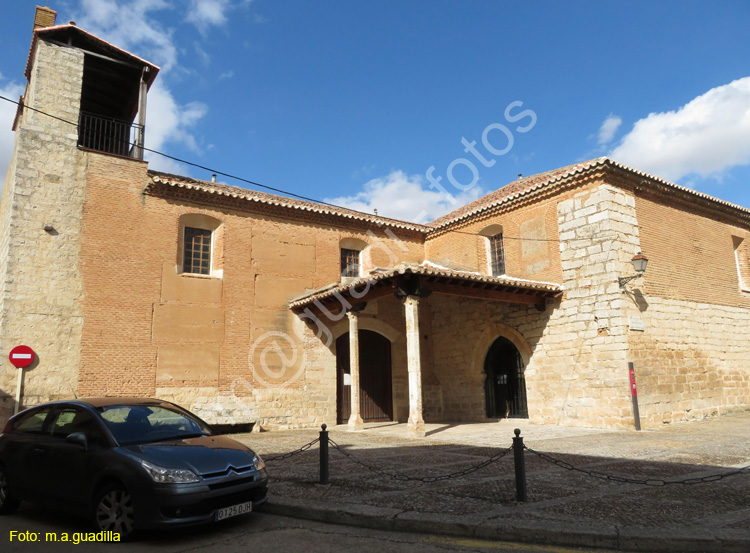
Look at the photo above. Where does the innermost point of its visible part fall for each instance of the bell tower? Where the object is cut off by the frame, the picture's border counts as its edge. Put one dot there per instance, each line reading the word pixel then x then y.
pixel 83 97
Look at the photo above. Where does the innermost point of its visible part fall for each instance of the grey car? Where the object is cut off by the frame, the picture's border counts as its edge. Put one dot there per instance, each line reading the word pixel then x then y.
pixel 127 464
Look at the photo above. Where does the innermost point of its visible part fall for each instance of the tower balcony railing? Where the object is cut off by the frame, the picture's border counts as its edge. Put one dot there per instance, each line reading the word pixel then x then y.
pixel 109 135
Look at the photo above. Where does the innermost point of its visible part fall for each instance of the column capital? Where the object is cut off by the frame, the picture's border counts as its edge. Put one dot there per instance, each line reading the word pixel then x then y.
pixel 411 300
pixel 354 310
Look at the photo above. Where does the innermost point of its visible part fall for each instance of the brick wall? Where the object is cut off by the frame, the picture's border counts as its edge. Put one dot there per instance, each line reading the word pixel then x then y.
pixel 529 239
pixel 692 358
pixel 227 347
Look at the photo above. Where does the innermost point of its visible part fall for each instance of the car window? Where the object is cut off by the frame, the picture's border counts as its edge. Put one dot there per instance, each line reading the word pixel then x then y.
pixel 31 423
pixel 71 419
pixel 139 424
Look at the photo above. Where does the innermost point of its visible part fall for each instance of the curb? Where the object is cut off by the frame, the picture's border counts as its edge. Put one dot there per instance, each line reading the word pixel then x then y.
pixel 619 538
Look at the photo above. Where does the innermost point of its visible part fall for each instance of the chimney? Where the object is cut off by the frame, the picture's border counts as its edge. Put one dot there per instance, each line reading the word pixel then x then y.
pixel 44 17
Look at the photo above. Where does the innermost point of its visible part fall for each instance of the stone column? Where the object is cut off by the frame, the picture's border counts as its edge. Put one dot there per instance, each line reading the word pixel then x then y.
pixel 355 420
pixel 416 421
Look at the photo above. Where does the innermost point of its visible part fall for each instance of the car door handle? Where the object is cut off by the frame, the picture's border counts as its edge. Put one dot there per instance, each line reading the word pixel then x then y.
pixel 39 450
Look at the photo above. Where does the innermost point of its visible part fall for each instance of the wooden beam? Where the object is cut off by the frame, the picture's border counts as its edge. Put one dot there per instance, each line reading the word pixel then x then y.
pixel 491 295
pixel 334 306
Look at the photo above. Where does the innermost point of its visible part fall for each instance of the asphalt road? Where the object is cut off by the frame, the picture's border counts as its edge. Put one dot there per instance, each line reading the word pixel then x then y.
pixel 256 532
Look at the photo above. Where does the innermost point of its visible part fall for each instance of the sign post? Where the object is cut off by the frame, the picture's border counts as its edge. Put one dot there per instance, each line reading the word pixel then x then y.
pixel 634 394
pixel 20 357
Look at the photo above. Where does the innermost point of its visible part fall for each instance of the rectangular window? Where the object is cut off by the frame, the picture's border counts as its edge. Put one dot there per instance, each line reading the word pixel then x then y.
pixel 197 253
pixel 349 263
pixel 497 255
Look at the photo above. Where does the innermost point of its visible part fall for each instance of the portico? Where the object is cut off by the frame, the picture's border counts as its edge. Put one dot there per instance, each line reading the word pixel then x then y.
pixel 413 285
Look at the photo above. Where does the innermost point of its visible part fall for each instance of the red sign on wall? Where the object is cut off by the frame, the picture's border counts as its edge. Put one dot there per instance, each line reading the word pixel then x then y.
pixel 21 356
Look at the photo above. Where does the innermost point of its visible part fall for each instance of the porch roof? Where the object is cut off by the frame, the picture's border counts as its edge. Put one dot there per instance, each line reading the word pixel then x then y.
pixel 423 279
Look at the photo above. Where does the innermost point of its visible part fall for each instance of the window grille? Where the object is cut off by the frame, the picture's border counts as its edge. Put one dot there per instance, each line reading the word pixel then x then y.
pixel 197 255
pixel 497 255
pixel 349 263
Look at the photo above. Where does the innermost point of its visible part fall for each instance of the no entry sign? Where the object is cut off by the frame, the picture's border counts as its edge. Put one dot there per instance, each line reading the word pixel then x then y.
pixel 21 356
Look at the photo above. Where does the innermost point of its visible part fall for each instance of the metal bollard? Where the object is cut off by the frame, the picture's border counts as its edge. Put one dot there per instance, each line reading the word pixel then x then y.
pixel 520 465
pixel 323 455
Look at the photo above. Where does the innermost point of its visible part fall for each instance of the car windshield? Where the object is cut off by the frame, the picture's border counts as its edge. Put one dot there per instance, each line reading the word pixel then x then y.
pixel 142 424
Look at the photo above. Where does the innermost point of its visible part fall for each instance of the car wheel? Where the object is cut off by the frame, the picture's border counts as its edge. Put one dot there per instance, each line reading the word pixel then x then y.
pixel 8 503
pixel 113 510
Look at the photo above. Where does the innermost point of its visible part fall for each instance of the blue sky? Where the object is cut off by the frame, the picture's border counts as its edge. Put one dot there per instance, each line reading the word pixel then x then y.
pixel 355 102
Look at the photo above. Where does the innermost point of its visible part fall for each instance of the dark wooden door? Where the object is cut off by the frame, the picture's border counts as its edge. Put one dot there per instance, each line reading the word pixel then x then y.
pixel 375 397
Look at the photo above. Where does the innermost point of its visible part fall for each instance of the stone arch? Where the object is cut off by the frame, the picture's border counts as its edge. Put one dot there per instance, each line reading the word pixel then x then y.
pixel 491 230
pixel 365 323
pixel 488 337
pixel 352 244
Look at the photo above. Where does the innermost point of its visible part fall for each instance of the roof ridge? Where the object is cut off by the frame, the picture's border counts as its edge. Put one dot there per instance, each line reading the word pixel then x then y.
pixel 526 185
pixel 282 201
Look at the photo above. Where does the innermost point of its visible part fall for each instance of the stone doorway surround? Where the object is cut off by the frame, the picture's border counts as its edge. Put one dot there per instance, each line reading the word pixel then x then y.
pixel 412 284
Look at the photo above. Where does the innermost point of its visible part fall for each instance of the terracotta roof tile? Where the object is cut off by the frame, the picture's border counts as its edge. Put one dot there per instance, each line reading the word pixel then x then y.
pixel 511 191
pixel 282 201
pixel 61 29
pixel 507 194
pixel 526 185
pixel 425 269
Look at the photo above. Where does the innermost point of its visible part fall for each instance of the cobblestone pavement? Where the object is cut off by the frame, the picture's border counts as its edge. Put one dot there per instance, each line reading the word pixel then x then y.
pixel 567 507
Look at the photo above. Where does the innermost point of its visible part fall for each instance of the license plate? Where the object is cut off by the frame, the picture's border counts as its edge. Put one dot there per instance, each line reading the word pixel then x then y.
pixel 234 510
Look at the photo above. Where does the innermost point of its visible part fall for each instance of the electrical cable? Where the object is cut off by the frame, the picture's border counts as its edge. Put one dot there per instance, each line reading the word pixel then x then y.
pixel 254 183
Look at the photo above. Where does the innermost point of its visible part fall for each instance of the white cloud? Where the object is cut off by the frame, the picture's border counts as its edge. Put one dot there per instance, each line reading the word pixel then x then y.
pixel 608 129
pixel 167 121
pixel 705 137
pixel 12 91
pixel 206 13
pixel 405 197
pixel 134 27
pixel 131 26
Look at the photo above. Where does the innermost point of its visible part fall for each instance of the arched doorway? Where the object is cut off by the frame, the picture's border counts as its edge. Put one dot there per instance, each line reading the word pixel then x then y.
pixel 375 396
pixel 504 384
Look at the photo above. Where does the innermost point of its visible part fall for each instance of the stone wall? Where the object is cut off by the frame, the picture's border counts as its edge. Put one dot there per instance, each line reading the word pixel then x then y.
pixel 691 361
pixel 692 358
pixel 576 350
pixel 41 279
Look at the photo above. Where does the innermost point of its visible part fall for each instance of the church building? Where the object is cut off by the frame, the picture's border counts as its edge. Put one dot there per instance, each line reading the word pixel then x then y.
pixel 567 298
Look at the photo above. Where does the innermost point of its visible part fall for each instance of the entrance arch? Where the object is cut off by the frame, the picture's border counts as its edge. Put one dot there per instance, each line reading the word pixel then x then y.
pixel 375 383
pixel 504 384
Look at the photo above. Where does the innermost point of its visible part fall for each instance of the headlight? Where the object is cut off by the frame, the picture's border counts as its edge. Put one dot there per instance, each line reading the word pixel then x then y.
pixel 258 461
pixel 169 476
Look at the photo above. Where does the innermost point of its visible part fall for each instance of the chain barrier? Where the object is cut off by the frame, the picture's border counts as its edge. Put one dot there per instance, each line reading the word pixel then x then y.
pixel 405 477
pixel 292 453
pixel 655 482
pixel 645 482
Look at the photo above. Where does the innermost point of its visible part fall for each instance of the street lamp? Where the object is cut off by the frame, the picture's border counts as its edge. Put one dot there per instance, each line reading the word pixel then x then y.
pixel 639 262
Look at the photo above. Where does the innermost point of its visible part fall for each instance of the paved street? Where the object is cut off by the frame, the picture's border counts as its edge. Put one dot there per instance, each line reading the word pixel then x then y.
pixel 573 507
pixel 258 533
pixel 565 507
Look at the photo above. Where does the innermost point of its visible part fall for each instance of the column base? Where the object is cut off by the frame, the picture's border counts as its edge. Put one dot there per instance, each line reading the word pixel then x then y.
pixel 415 427
pixel 356 423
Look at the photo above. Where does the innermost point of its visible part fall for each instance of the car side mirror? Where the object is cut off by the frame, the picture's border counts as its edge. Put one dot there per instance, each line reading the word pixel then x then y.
pixel 78 438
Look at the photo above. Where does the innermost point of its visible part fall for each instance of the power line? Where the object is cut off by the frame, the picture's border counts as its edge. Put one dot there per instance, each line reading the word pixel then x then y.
pixel 247 181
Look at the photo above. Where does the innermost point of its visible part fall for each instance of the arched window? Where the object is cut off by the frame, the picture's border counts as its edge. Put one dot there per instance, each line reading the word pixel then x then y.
pixel 200 245
pixel 495 249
